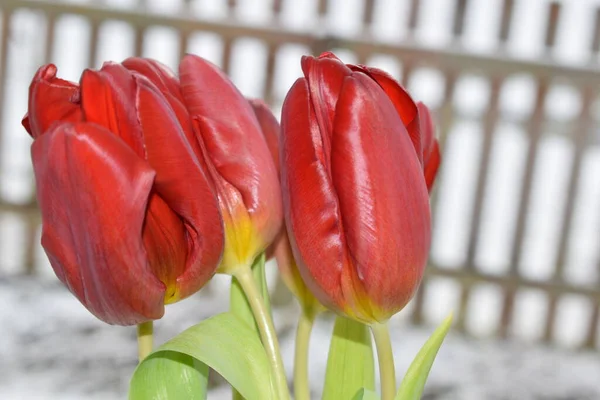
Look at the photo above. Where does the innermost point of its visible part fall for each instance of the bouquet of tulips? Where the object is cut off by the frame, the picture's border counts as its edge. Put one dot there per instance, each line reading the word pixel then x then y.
pixel 149 183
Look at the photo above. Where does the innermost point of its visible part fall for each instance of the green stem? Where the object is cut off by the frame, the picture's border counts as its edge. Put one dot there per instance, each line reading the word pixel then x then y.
pixel 385 358
pixel 145 339
pixel 301 386
pixel 266 329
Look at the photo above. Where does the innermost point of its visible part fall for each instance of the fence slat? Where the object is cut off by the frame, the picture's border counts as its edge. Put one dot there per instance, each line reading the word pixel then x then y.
pixel 595 46
pixel 582 131
pixel 322 8
pixel 368 13
pixel 138 45
pixel 553 17
pixel 591 338
pixel 227 53
pixel 268 95
pixel 276 8
pixel 31 242
pixel 93 44
pixel 184 39
pixel 505 20
pixel 413 18
pixel 6 31
pixel 459 17
pixel 489 126
pixel 534 131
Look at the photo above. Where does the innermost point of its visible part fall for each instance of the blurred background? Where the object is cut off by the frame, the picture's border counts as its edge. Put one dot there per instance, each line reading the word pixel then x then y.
pixel 516 249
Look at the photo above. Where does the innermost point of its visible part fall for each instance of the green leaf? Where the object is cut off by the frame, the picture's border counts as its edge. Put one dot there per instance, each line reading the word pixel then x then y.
pixel 238 303
pixel 223 343
pixel 366 394
pixel 413 383
pixel 170 375
pixel 350 364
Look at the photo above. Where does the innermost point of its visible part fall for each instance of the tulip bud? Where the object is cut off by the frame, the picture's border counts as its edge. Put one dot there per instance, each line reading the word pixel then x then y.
pixel 354 189
pixel 238 160
pixel 130 220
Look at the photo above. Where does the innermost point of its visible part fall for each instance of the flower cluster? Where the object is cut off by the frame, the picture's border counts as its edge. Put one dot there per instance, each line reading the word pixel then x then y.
pixel 149 183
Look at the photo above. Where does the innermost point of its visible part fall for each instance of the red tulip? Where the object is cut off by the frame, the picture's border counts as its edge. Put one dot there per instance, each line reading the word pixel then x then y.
pixel 354 158
pixel 237 158
pixel 130 220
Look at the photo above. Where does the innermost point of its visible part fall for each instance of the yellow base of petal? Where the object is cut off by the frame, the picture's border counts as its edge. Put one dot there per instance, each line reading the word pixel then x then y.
pixel 242 244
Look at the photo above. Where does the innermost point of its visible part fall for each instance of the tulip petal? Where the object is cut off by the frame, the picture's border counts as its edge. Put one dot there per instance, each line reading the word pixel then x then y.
pixel 404 104
pixel 317 241
pixel 432 166
pixel 93 191
pixel 325 76
pixel 235 147
pixel 159 74
pixel 383 199
pixel 427 130
pixel 168 84
pixel 328 54
pixel 271 131
pixel 290 274
pixel 106 100
pixel 181 182
pixel 51 99
pixel 431 149
pixel 166 243
pixel 269 127
pixel 186 124
pixel 232 135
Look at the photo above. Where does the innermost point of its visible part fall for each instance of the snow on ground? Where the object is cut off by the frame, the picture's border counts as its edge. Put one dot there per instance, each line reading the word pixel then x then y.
pixel 53 349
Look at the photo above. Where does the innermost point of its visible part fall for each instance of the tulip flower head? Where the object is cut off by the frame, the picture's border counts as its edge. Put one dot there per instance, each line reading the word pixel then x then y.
pixel 237 157
pixel 130 219
pixel 358 157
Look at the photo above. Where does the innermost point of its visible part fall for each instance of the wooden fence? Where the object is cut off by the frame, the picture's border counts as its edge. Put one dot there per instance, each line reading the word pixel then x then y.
pixel 452 61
